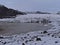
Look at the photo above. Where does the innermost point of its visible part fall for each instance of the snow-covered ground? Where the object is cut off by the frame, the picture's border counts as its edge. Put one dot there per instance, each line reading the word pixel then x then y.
pixel 49 37
pixel 32 17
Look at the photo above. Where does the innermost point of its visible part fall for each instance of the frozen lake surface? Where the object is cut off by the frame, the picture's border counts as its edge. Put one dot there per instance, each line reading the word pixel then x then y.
pixel 18 28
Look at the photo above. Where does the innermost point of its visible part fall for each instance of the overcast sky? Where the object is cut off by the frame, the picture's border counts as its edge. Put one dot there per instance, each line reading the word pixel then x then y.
pixel 33 5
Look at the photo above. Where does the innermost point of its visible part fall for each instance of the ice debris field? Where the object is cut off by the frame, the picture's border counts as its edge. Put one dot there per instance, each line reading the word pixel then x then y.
pixel 49 37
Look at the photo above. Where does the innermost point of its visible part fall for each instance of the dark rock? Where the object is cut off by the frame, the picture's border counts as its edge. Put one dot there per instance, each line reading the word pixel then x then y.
pixel 4 42
pixel 25 37
pixel 52 35
pixel 23 44
pixel 59 36
pixel 37 21
pixel 56 41
pixel 50 21
pixel 55 37
pixel 45 32
pixel 38 39
pixel 48 34
pixel 1 37
pixel 41 32
pixel 27 34
pixel 26 41
pixel 31 40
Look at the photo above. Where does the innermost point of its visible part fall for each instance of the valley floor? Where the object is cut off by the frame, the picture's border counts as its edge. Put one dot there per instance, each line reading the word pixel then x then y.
pixel 46 35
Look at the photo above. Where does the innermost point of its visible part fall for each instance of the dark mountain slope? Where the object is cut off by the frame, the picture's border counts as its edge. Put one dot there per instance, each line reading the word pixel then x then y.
pixel 8 12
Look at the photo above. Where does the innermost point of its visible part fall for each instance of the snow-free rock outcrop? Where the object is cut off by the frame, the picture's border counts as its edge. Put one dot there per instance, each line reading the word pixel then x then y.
pixel 8 12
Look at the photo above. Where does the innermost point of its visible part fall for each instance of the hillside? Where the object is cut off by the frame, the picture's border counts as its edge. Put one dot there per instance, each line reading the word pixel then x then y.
pixel 8 12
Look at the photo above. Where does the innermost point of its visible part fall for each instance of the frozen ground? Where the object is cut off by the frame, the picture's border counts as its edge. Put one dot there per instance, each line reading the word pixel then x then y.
pixel 32 17
pixel 49 37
